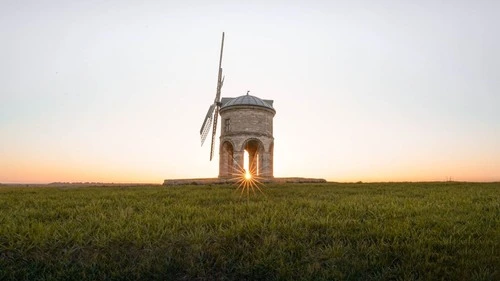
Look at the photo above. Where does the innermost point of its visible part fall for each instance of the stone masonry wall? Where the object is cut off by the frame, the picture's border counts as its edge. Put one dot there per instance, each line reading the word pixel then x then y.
pixel 248 120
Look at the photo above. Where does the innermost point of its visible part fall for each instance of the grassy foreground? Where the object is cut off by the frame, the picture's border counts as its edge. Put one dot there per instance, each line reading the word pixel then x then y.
pixel 386 231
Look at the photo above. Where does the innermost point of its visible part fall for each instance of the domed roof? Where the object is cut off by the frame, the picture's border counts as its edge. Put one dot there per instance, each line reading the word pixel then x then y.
pixel 246 100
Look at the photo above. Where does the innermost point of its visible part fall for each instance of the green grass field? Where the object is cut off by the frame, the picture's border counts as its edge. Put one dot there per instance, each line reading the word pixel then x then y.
pixel 377 231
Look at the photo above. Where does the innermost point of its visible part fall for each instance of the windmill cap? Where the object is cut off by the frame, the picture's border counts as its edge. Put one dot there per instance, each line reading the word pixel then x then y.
pixel 247 100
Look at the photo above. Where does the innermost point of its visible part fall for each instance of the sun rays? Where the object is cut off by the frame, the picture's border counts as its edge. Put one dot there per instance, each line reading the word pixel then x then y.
pixel 247 180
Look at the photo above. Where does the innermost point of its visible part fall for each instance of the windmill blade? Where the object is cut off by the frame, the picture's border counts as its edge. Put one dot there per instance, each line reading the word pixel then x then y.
pixel 205 127
pixel 220 79
pixel 217 104
pixel 214 131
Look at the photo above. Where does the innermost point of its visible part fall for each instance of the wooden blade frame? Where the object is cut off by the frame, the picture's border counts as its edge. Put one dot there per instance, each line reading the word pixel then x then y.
pixel 205 127
pixel 220 81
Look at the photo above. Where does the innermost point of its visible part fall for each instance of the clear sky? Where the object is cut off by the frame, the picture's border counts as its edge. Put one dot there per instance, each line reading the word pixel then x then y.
pixel 116 91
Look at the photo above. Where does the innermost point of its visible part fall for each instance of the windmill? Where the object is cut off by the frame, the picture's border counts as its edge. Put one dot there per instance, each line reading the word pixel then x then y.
pixel 213 110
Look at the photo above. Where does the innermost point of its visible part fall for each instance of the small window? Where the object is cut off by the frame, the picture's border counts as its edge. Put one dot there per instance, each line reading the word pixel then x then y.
pixel 227 125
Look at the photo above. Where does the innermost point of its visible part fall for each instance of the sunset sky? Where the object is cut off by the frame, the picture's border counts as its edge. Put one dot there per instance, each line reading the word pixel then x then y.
pixel 116 91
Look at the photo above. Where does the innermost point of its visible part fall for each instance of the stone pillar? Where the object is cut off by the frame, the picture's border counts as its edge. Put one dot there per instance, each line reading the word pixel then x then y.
pixel 225 160
pixel 267 165
pixel 222 165
pixel 252 162
pixel 238 161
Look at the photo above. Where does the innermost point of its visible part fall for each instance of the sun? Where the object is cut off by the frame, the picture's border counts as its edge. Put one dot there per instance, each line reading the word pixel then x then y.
pixel 246 180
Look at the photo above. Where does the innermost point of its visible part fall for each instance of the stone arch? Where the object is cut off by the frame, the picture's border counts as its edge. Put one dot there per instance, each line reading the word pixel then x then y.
pixel 226 167
pixel 256 140
pixel 255 149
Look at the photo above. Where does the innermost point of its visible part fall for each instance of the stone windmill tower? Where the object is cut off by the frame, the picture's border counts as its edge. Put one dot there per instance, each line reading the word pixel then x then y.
pixel 247 125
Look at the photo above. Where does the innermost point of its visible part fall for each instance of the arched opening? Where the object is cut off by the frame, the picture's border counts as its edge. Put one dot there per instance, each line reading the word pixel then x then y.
pixel 246 164
pixel 253 156
pixel 248 170
pixel 226 160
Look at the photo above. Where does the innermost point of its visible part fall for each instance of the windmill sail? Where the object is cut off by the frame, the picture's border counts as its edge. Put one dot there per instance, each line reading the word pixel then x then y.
pixel 211 115
pixel 216 115
pixel 205 127
pixel 220 82
pixel 220 79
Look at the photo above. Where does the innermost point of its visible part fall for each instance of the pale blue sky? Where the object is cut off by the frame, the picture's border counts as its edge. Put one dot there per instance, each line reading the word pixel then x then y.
pixel 116 91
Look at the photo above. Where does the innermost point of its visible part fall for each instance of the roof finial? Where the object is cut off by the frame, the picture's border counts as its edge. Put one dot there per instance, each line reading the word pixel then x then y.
pixel 248 92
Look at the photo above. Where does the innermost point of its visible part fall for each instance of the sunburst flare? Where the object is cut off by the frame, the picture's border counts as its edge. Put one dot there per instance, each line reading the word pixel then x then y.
pixel 247 181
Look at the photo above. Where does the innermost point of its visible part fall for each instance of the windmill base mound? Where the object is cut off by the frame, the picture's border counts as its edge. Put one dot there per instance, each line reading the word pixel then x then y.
pixel 210 181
